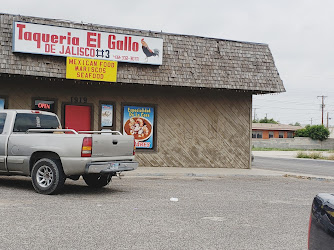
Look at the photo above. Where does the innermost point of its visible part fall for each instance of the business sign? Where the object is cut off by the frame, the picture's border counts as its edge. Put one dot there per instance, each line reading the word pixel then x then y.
pixel 91 69
pixel 67 42
pixel 44 105
pixel 139 122
pixel 107 112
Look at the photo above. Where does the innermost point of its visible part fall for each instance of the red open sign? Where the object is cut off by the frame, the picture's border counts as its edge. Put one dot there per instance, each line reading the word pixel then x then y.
pixel 45 105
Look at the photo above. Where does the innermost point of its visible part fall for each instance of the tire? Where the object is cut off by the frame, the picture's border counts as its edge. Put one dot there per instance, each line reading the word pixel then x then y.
pixel 47 176
pixel 97 180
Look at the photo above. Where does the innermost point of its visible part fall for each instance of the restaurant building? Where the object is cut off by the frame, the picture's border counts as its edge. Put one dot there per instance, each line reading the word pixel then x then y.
pixel 186 99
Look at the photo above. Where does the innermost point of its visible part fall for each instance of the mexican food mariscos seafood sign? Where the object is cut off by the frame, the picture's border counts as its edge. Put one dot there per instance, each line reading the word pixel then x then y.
pixel 139 122
pixel 60 41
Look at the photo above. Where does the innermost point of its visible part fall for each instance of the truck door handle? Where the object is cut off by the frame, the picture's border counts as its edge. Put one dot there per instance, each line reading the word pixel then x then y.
pixel 114 142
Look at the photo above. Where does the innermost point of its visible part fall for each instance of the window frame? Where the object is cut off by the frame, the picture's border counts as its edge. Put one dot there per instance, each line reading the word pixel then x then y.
pixel 113 127
pixel 271 133
pixel 259 135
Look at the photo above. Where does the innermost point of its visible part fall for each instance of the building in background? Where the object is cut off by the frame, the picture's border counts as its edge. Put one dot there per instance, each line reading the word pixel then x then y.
pixel 270 130
pixel 186 99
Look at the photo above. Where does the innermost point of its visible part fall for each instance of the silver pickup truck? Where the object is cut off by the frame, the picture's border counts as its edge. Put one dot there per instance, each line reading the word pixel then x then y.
pixel 32 143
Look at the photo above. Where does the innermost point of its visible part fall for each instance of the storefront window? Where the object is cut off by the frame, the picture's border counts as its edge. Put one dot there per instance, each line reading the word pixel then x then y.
pixel 44 105
pixel 139 121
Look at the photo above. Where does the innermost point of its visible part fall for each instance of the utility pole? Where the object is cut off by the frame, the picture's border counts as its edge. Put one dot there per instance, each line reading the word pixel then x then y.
pixel 322 108
pixel 254 113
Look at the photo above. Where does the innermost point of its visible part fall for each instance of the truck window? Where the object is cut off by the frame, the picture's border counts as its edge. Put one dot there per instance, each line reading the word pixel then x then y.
pixel 2 121
pixel 24 121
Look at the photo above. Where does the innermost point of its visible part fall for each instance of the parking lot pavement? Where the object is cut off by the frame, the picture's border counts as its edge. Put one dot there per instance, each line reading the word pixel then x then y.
pixel 160 212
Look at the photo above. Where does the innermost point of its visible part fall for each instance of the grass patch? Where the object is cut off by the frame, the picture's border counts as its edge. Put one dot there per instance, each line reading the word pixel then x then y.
pixel 288 149
pixel 314 155
pixel 302 155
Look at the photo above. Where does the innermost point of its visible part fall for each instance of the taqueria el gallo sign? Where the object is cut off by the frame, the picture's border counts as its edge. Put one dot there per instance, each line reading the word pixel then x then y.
pixel 68 42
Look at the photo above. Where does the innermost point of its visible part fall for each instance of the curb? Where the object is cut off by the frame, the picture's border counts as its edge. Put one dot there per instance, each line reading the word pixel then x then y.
pixel 251 175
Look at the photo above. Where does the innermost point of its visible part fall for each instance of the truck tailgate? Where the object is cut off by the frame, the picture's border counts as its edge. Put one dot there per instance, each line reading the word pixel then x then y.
pixel 112 145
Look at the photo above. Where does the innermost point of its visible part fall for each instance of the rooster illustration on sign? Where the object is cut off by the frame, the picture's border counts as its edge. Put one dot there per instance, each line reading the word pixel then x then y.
pixel 147 51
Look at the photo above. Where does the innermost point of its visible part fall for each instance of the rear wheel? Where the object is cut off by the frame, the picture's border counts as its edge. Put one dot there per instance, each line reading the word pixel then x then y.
pixel 97 180
pixel 47 176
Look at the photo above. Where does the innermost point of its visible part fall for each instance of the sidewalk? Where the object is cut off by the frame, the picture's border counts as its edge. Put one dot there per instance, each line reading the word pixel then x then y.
pixel 180 172
pixel 199 172
pixel 175 172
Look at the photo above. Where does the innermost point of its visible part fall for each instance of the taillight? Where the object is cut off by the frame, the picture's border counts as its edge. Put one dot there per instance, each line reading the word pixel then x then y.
pixel 134 147
pixel 86 150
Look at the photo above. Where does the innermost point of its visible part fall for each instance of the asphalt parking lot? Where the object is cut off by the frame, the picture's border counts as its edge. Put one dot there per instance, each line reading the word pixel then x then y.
pixel 232 212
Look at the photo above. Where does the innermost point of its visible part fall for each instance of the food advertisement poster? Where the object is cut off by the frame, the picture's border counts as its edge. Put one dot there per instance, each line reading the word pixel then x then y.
pixel 107 115
pixel 139 121
pixel 2 103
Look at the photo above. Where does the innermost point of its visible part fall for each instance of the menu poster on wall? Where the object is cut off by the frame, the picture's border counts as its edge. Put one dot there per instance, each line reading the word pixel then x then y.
pixel 2 103
pixel 139 121
pixel 107 115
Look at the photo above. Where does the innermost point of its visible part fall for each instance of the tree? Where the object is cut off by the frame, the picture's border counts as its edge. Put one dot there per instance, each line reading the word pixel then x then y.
pixel 266 120
pixel 316 132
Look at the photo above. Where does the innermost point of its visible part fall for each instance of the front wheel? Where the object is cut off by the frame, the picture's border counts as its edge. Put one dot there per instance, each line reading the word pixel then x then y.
pixel 97 180
pixel 47 176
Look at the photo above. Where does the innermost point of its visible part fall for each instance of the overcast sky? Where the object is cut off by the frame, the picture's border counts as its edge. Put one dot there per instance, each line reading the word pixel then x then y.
pixel 300 35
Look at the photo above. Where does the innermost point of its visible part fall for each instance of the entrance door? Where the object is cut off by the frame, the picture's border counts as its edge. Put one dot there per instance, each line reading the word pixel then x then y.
pixel 78 117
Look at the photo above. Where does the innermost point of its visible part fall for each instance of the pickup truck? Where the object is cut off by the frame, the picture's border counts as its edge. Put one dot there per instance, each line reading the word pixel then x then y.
pixel 32 143
pixel 321 228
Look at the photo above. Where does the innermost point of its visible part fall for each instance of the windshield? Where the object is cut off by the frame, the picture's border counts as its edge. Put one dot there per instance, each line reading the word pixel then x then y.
pixel 24 121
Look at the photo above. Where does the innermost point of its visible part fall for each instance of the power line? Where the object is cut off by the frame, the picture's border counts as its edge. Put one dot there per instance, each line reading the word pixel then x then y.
pixel 287 108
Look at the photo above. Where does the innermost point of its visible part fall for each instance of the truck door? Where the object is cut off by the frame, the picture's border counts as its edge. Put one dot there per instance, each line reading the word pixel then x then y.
pixel 3 143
